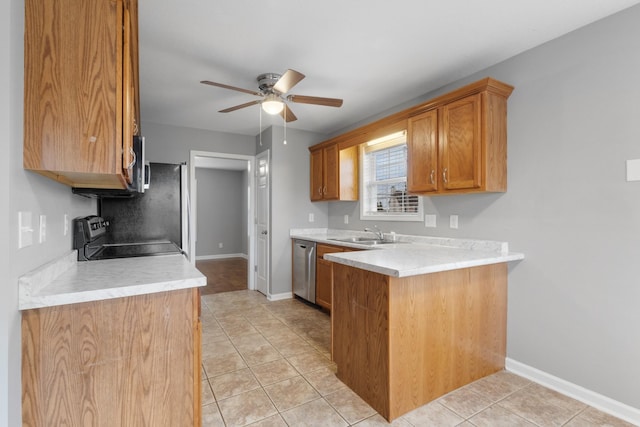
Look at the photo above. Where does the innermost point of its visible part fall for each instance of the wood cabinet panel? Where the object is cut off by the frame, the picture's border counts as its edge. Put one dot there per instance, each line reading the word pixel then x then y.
pixel 422 154
pixel 470 149
pixel 361 334
pixel 457 142
pixel 348 176
pixel 331 170
pixel 461 160
pixel 324 275
pixel 125 361
pixel 402 342
pixel 80 79
pixel 317 175
pixel 334 173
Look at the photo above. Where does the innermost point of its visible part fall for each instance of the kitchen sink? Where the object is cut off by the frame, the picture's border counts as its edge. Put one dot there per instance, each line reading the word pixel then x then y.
pixel 364 240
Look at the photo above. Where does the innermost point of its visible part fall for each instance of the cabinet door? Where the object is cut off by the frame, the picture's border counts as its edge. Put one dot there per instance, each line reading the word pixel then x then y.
pixel 315 189
pixel 131 98
pixel 422 152
pixel 73 110
pixel 324 275
pixel 128 116
pixel 460 144
pixel 324 283
pixel 331 189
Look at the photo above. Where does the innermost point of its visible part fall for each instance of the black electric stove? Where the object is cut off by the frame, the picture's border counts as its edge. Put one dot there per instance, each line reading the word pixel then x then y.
pixel 90 239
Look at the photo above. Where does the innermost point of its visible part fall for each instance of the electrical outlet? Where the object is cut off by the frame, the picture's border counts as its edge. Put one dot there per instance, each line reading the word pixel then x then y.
pixel 633 170
pixel 66 225
pixel 311 217
pixel 346 219
pixel 453 221
pixel 220 245
pixel 430 220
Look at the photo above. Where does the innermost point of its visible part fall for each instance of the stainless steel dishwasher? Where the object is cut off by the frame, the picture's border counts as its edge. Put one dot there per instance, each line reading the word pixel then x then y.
pixel 304 269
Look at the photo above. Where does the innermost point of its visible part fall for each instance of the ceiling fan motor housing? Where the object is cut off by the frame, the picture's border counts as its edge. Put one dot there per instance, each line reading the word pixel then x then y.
pixel 266 81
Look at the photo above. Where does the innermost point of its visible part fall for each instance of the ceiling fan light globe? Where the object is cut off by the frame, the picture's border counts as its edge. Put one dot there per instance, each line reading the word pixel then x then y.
pixel 272 106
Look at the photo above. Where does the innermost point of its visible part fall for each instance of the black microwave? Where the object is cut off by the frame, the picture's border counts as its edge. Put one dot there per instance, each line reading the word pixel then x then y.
pixel 140 173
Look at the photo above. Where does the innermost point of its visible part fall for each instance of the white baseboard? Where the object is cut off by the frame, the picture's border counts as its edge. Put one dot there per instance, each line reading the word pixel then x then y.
pixel 221 256
pixel 591 398
pixel 278 297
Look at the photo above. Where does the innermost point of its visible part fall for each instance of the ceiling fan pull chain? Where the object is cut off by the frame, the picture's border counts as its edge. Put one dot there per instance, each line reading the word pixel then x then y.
pixel 285 124
pixel 260 126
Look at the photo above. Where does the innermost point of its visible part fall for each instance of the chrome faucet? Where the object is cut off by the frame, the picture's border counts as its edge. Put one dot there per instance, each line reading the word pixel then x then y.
pixel 377 232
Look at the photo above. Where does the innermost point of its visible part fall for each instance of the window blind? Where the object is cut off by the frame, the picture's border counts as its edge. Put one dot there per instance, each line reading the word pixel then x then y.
pixel 385 180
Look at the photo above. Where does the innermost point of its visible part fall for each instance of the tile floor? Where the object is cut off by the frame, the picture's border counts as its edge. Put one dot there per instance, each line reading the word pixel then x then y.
pixel 267 364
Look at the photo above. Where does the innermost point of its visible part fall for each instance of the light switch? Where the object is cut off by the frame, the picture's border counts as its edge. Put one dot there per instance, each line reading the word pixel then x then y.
pixel 453 221
pixel 66 224
pixel 346 219
pixel 25 230
pixel 430 220
pixel 633 170
pixel 42 235
pixel 311 217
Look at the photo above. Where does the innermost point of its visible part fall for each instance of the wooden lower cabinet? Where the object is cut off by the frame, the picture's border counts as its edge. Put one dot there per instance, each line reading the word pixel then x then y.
pixel 324 275
pixel 132 361
pixel 402 342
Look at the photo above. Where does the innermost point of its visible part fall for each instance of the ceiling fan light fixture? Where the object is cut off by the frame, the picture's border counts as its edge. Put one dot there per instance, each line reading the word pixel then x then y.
pixel 272 104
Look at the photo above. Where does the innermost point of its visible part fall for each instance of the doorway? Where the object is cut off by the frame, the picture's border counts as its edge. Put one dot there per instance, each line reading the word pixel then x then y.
pixel 221 212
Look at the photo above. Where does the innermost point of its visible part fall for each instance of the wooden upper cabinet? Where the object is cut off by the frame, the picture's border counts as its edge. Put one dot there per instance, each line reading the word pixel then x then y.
pixel 81 90
pixel 130 118
pixel 317 175
pixel 457 142
pixel 460 156
pixel 422 152
pixel 331 170
pixel 334 173
pixel 460 146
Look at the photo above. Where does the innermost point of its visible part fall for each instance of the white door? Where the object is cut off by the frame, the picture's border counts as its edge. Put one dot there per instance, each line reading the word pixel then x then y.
pixel 262 222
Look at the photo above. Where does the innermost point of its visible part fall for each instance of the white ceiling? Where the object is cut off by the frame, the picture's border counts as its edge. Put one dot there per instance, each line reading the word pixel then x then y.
pixel 374 54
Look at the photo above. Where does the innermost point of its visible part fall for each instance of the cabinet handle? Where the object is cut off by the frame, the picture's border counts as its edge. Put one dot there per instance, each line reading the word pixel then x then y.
pixel 444 175
pixel 320 190
pixel 133 160
pixel 324 190
pixel 432 177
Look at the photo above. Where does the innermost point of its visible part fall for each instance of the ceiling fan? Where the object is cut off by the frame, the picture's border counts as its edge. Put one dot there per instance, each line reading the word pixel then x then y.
pixel 273 88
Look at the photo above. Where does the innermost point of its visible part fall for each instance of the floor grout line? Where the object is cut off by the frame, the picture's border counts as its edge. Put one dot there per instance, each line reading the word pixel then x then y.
pixel 226 306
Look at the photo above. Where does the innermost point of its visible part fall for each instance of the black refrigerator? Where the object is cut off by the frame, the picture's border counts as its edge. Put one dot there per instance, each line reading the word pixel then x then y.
pixel 156 218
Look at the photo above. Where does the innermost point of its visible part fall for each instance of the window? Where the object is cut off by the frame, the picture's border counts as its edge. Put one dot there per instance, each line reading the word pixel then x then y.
pixel 384 181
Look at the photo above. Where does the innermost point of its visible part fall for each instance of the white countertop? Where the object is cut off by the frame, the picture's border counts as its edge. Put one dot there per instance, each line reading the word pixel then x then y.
pixel 67 281
pixel 412 255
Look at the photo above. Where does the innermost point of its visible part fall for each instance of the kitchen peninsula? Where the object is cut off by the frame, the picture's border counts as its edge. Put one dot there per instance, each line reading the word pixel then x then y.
pixel 416 318
pixel 111 342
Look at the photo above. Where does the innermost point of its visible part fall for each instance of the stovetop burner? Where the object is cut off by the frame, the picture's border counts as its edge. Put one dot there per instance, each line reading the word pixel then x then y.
pixel 126 250
pixel 89 238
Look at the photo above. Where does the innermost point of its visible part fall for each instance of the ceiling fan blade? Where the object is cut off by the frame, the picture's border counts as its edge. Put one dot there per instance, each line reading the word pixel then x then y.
pixel 237 107
pixel 328 102
pixel 239 89
pixel 287 114
pixel 288 80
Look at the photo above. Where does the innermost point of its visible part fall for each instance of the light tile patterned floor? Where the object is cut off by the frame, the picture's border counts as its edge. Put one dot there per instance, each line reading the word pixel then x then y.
pixel 267 364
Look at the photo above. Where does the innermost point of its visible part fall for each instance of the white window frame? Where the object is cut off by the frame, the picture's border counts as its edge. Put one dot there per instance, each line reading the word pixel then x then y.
pixel 384 142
